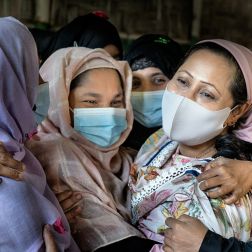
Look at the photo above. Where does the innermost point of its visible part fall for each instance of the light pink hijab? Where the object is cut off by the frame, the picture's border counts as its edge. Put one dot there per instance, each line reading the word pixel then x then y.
pixel 71 162
pixel 243 57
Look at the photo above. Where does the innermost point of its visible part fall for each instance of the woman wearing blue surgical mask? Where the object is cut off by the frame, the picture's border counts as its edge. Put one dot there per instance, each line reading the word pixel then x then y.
pixel 206 111
pixel 93 30
pixel 90 116
pixel 153 59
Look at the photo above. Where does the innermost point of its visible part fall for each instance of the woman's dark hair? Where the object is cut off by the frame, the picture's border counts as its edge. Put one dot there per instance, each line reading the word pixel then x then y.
pixel 77 80
pixel 229 145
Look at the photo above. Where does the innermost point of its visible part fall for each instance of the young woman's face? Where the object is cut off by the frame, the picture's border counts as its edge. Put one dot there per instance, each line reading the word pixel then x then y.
pixel 100 88
pixel 205 78
pixel 149 79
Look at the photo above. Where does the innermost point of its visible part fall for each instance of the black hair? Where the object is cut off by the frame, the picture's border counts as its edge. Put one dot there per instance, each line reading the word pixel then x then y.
pixel 229 145
pixel 77 80
pixel 163 51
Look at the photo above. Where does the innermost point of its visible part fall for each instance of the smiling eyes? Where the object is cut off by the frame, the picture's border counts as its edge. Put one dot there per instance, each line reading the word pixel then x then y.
pixel 183 83
pixel 156 80
pixel 93 102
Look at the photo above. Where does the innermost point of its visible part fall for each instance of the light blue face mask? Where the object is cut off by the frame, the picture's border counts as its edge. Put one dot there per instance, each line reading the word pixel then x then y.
pixel 147 107
pixel 102 126
pixel 42 102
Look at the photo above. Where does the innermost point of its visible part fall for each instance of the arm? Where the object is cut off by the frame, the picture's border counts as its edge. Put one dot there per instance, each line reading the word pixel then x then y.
pixel 232 177
pixel 213 241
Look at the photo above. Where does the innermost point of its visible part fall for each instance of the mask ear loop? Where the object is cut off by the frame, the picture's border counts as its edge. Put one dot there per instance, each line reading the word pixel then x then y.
pixel 232 110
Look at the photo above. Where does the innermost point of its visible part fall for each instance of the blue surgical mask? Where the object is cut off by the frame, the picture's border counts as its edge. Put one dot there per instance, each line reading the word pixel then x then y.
pixel 147 107
pixel 42 102
pixel 102 126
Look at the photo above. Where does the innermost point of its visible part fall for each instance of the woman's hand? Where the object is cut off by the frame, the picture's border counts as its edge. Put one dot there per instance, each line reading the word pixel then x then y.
pixel 50 243
pixel 9 167
pixel 184 234
pixel 71 205
pixel 231 179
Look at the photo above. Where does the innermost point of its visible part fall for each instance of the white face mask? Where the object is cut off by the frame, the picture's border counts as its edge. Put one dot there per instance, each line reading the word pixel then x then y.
pixel 188 122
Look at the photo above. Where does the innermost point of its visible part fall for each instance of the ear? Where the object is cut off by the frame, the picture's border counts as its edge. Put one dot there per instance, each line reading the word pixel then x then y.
pixel 237 113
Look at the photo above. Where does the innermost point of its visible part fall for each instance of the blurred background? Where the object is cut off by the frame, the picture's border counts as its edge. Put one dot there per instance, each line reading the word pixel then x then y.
pixel 186 21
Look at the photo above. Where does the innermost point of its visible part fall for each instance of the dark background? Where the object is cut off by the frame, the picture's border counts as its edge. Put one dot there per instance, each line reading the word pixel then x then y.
pixel 184 20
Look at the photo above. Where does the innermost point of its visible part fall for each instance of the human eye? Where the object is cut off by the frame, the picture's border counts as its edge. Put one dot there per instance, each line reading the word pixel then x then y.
pixel 159 80
pixel 207 95
pixel 136 83
pixel 182 82
pixel 90 102
pixel 117 103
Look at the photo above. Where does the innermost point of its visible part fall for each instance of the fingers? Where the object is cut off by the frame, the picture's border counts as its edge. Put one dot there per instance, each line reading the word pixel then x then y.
pixel 231 199
pixel 50 243
pixel 72 214
pixel 211 183
pixel 7 160
pixel 211 173
pixel 10 173
pixel 172 222
pixel 68 202
pixel 186 218
pixel 210 169
pixel 64 195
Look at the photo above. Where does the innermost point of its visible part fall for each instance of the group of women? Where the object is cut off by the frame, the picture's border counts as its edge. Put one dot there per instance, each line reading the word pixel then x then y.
pixel 189 121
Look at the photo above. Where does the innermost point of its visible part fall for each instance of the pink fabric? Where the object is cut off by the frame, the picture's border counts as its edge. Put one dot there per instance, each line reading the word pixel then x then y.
pixel 71 162
pixel 243 57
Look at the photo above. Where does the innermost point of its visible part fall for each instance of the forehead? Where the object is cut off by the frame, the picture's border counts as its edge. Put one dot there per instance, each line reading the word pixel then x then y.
pixel 101 78
pixel 147 71
pixel 209 66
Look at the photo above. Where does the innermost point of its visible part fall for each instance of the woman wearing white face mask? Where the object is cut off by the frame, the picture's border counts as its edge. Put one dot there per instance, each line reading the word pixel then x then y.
pixel 209 94
pixel 153 59
pixel 89 117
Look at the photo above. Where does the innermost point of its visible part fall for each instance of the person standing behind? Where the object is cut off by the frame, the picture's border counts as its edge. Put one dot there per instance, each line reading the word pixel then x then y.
pixel 153 59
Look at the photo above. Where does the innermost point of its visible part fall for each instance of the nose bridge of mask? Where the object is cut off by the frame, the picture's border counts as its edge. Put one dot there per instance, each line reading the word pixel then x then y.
pixel 170 99
pixel 99 116
pixel 143 99
pixel 102 126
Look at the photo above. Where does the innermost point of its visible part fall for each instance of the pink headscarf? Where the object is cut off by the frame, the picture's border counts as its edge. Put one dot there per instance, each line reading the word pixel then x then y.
pixel 243 56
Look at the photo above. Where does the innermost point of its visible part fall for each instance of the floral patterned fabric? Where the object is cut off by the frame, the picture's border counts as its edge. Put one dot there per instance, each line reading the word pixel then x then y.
pixel 163 184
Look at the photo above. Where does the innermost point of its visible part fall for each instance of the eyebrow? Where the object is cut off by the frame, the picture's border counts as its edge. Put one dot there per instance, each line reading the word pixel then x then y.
pixel 118 95
pixel 95 95
pixel 158 73
pixel 205 82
